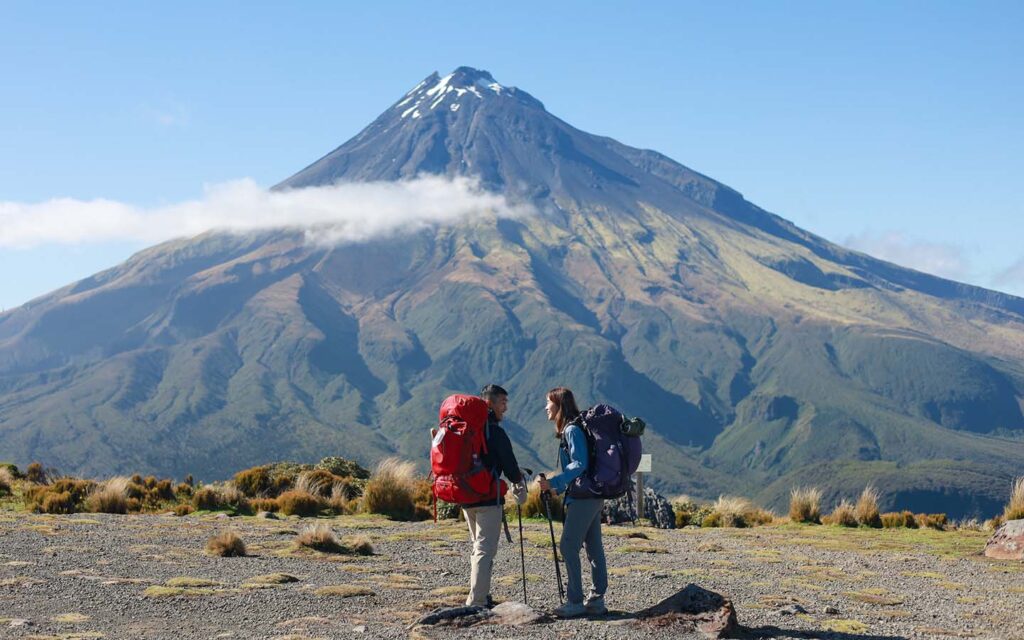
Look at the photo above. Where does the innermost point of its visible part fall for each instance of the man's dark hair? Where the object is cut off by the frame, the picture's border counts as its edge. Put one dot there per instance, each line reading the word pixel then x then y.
pixel 493 390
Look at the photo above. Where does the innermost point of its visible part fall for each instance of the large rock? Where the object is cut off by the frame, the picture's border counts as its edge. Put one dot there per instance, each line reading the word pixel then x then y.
pixel 1007 543
pixel 657 509
pixel 514 614
pixel 694 608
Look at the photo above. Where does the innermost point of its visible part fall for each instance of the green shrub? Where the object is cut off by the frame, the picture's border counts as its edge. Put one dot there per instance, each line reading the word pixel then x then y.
pixel 12 469
pixel 343 468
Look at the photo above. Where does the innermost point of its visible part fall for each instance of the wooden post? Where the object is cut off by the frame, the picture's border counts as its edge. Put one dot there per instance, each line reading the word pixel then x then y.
pixel 639 495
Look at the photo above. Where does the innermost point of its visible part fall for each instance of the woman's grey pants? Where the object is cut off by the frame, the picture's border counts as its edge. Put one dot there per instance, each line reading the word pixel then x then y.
pixel 583 527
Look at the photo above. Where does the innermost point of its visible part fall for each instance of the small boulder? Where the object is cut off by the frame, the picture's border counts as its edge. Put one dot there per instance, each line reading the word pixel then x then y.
pixel 1007 543
pixel 696 608
pixel 517 614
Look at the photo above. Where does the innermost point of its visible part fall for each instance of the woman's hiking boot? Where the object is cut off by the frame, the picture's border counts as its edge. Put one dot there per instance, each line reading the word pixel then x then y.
pixel 594 605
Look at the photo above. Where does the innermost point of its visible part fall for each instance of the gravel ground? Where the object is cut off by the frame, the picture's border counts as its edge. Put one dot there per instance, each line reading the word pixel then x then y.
pixel 85 576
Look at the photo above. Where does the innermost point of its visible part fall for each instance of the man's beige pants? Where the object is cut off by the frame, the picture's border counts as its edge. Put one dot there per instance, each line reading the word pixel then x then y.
pixel 484 531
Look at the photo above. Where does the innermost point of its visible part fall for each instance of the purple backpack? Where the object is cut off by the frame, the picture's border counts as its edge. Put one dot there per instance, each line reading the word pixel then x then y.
pixel 613 455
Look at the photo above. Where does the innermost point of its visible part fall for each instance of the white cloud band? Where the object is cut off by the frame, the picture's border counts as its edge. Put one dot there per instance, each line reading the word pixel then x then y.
pixel 346 212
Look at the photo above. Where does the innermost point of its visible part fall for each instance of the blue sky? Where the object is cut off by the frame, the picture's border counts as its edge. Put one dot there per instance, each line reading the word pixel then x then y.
pixel 894 128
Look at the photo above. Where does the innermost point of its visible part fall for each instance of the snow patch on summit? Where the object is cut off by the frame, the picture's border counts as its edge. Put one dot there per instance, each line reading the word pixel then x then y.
pixel 442 90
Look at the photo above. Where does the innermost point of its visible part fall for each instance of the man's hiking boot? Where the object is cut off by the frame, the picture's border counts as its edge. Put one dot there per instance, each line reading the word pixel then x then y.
pixel 570 610
pixel 594 604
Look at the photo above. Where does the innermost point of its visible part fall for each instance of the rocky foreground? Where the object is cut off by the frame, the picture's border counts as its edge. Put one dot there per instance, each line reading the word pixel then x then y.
pixel 146 576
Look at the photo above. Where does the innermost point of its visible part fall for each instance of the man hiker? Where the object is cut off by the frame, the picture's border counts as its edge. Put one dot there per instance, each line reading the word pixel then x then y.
pixel 485 518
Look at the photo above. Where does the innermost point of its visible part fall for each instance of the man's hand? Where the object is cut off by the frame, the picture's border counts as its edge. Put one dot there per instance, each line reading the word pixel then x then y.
pixel 545 486
pixel 519 493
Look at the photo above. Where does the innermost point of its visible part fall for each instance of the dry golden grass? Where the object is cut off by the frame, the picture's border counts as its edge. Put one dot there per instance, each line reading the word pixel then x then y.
pixel 299 503
pixel 866 509
pixel 358 545
pixel 805 505
pixel 6 480
pixel 391 490
pixel 738 512
pixel 534 507
pixel 316 482
pixel 319 538
pixel 844 515
pixel 110 497
pixel 35 473
pixel 1014 509
pixel 343 591
pixel 226 545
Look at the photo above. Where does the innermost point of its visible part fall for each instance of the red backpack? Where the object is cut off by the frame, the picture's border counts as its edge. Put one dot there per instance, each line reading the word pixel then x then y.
pixel 456 453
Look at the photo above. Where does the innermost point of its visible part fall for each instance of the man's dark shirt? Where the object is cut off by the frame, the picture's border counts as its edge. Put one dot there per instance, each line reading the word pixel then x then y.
pixel 499 457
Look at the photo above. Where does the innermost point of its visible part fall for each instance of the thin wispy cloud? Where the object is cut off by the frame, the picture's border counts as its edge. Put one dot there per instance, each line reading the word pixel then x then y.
pixel 341 213
pixel 169 116
pixel 937 258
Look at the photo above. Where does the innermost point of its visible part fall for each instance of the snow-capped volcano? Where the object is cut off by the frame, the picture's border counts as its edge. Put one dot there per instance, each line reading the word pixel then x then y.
pixel 448 92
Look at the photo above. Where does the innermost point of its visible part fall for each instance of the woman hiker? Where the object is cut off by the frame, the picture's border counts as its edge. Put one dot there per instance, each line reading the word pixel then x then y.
pixel 582 515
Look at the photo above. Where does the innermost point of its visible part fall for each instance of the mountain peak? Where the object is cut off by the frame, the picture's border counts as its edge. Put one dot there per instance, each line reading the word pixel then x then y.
pixel 450 92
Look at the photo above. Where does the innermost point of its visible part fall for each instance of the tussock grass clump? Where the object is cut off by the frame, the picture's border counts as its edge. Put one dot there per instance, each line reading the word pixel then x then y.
pixel 63 496
pixel 533 507
pixel 254 482
pixel 319 538
pixel 738 512
pixel 993 523
pixel 110 497
pixel 7 479
pixel 391 490
pixel 299 503
pixel 226 545
pixel 866 509
pixel 272 578
pixel 898 519
pixel 223 498
pixel 35 473
pixel 316 482
pixel 183 509
pixel 343 591
pixel 270 505
pixel 1014 509
pixel 183 491
pixel 844 515
pixel 805 505
pixel 207 499
pixel 935 521
pixel 57 502
pixel 358 545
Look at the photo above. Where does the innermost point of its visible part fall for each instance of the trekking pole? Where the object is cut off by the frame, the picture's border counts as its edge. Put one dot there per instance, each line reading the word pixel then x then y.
pixel 522 550
pixel 545 497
